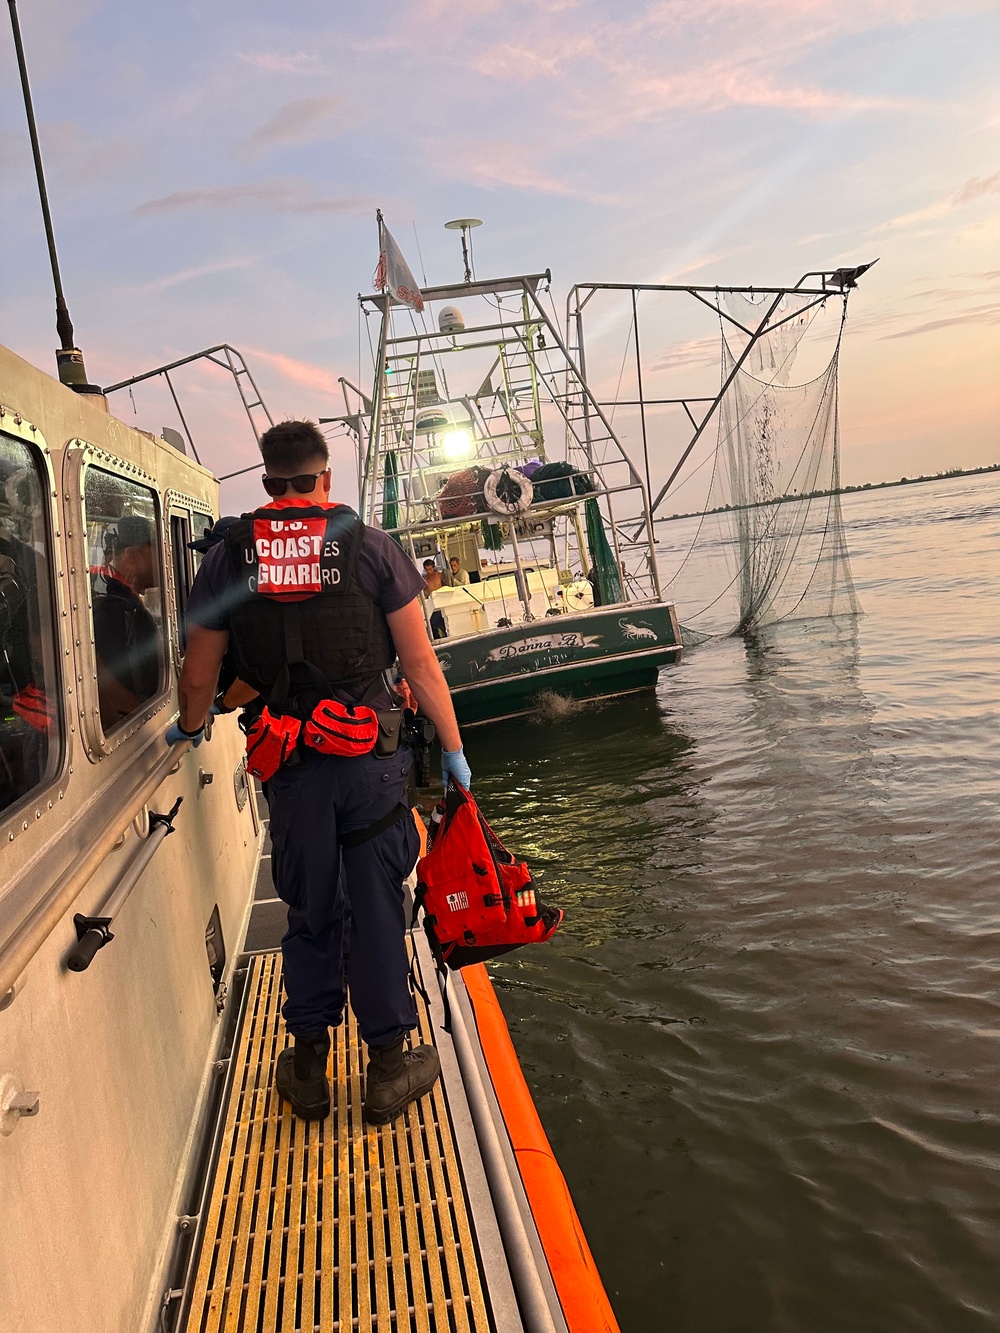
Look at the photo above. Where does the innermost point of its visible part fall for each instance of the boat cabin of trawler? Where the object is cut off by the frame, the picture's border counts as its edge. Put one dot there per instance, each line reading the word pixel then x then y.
pixel 152 1177
pixel 483 451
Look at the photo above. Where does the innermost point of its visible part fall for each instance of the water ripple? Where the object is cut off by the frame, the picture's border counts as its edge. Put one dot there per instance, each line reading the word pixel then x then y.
pixel 765 1042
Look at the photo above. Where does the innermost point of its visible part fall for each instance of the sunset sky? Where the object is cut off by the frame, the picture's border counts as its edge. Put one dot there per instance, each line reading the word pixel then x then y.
pixel 214 170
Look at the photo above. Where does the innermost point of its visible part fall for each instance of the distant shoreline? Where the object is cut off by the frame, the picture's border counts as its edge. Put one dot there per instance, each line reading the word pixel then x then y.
pixel 843 490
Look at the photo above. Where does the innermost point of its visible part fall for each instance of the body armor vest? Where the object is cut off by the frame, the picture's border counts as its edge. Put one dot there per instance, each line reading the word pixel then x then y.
pixel 303 626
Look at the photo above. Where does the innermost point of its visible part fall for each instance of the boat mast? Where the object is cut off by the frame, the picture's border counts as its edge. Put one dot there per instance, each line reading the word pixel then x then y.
pixel 69 358
pixel 368 475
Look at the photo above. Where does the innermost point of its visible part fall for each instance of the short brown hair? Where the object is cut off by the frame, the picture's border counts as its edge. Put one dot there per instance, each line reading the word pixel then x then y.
pixel 293 444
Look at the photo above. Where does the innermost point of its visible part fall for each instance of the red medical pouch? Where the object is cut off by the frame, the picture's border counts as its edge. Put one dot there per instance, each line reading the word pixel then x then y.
pixel 270 740
pixel 336 728
pixel 478 900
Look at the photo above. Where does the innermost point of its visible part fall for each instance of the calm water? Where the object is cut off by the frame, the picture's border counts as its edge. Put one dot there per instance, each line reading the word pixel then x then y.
pixel 766 1043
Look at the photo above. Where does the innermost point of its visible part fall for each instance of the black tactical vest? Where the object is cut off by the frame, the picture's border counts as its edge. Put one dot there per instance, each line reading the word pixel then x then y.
pixel 303 626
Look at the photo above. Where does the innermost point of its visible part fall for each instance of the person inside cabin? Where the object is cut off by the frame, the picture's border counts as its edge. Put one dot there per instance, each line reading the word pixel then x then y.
pixel 459 577
pixel 434 580
pixel 126 638
pixel 319 655
pixel 26 710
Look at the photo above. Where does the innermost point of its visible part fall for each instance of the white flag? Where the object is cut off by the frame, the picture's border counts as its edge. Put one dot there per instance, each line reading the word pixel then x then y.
pixel 393 273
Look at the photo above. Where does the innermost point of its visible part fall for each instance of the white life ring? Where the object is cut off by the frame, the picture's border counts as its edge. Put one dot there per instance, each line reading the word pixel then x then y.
pixel 508 491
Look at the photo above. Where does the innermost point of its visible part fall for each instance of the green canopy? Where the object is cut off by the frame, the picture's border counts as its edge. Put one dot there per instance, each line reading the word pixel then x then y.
pixel 609 579
pixel 492 535
pixel 390 494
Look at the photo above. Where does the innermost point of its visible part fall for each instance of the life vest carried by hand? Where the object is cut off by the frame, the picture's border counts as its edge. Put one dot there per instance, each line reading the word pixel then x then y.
pixel 478 900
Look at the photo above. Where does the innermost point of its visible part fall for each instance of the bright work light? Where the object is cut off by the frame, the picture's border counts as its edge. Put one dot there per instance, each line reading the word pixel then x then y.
pixel 457 444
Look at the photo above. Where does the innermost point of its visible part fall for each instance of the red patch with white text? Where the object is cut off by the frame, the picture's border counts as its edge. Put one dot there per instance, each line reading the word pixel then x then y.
pixel 288 554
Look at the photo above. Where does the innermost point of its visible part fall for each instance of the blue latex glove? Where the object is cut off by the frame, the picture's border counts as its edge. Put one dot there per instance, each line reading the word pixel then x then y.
pixel 455 765
pixel 174 735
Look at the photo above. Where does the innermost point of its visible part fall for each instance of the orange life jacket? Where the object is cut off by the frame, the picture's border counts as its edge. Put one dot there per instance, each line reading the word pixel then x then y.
pixel 478 900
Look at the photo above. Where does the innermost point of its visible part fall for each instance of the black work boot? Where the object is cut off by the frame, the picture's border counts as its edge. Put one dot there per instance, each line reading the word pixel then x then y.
pixel 301 1075
pixel 395 1077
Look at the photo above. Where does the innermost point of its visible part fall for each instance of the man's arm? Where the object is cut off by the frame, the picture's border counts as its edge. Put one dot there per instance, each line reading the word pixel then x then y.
pixel 423 672
pixel 200 674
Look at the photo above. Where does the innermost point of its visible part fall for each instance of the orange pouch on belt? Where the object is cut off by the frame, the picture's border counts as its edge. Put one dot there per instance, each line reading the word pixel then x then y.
pixel 336 728
pixel 270 740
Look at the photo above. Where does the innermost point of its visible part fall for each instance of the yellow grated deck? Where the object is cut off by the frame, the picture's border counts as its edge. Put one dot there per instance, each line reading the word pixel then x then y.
pixel 282 1249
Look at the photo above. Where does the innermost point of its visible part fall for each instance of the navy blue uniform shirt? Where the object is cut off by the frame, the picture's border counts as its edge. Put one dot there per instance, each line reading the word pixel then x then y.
pixel 383 570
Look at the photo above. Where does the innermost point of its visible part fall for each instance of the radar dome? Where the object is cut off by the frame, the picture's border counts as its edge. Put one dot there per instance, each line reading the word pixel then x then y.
pixel 450 320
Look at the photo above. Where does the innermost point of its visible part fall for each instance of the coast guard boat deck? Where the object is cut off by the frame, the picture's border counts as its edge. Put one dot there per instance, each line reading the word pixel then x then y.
pixel 420 1226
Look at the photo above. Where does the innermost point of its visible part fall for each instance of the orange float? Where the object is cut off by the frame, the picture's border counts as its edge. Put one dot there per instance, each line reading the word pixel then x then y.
pixel 581 1292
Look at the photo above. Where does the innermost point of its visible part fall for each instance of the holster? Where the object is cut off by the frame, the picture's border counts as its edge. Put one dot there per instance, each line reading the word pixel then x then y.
pixel 390 732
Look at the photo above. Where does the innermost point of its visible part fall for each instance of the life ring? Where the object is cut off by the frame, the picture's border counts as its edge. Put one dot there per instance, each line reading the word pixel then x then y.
pixel 508 491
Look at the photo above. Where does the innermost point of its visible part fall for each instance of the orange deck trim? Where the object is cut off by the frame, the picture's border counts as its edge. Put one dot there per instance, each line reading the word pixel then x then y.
pixel 581 1292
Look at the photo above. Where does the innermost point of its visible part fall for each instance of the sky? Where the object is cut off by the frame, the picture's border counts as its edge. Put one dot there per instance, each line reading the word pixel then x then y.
pixel 214 170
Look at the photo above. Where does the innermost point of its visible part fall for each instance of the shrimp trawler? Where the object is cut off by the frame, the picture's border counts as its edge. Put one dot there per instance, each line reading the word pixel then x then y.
pixel 483 451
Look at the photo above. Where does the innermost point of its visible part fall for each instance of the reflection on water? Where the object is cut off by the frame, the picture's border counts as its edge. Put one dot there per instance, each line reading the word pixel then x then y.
pixel 764 1043
pixel 584 813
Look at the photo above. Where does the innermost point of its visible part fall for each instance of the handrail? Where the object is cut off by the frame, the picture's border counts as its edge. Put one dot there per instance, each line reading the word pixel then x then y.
pixel 93 931
pixel 20 947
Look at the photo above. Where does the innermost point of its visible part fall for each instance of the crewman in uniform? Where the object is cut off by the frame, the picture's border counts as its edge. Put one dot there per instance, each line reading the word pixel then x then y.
pixel 300 631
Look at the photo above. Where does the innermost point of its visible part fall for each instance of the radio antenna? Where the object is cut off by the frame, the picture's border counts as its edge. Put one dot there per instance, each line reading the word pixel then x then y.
pixel 464 225
pixel 69 358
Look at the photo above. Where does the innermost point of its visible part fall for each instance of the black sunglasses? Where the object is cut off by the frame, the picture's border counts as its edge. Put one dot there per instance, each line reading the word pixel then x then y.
pixel 303 483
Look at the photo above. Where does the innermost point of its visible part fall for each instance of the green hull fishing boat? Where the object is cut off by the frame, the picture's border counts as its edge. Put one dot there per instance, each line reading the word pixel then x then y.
pixel 598 654
pixel 484 453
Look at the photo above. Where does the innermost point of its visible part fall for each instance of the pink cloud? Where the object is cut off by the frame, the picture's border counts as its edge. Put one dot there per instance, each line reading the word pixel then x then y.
pixel 497 164
pixel 278 196
pixel 978 187
pixel 271 62
pixel 305 120
pixel 303 373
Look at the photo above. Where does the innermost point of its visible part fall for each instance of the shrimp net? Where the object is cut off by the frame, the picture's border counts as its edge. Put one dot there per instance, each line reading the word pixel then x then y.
pixel 777 538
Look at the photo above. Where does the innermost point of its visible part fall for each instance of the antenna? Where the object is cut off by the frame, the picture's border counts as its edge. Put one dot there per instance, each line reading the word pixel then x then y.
pixel 464 225
pixel 69 358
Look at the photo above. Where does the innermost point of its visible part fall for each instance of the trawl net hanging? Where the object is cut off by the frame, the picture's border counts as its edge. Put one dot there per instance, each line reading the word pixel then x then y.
pixel 778 460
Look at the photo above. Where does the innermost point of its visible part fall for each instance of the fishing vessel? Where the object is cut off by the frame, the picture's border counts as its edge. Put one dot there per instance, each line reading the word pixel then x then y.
pixel 485 454
pixel 153 1180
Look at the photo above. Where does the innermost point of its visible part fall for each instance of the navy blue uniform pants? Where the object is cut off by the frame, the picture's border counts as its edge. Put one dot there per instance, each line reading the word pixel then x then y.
pixel 310 804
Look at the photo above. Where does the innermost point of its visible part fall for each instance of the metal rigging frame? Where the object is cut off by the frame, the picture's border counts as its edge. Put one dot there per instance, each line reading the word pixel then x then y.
pixel 832 282
pixel 582 417
pixel 236 365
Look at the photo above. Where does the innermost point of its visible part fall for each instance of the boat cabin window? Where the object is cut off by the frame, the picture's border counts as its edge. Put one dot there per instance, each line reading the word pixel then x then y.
pixel 126 593
pixel 180 535
pixel 30 720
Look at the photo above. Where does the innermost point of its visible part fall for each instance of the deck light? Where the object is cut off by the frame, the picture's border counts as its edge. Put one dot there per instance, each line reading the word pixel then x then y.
pixel 457 444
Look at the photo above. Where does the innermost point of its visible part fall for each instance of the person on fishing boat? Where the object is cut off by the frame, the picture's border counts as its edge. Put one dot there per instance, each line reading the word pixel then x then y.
pixel 459 576
pixel 316 607
pixel 433 580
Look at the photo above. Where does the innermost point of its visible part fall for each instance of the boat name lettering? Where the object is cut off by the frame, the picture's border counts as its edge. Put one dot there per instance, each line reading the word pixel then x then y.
pixel 540 645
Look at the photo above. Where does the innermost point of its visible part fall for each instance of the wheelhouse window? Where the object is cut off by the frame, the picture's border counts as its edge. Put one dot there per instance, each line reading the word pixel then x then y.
pixel 126 593
pixel 30 719
pixel 180 535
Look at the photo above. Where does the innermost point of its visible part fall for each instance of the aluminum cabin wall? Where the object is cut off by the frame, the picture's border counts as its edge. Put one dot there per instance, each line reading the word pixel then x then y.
pixel 118 1053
